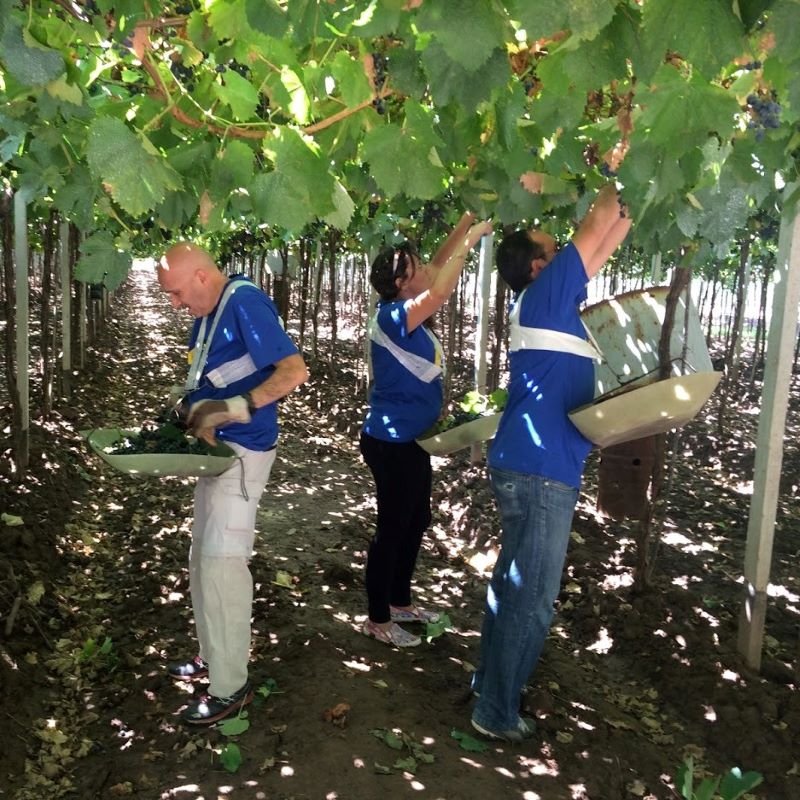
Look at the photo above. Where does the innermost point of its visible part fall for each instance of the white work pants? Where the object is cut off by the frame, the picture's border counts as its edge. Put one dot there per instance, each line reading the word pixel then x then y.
pixel 223 534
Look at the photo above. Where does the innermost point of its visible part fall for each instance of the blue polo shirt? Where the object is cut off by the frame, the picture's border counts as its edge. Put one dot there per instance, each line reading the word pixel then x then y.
pixel 249 325
pixel 535 435
pixel 401 405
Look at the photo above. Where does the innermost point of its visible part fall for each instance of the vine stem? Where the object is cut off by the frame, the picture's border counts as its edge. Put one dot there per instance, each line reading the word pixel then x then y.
pixel 235 131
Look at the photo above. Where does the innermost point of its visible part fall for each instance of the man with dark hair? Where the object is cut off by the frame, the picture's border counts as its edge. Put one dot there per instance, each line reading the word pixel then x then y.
pixel 536 459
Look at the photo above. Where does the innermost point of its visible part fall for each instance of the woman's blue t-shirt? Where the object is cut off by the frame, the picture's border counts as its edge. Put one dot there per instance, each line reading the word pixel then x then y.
pixel 535 435
pixel 249 325
pixel 401 405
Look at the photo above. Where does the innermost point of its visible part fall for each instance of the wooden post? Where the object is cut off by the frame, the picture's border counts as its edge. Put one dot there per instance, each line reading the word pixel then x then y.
pixel 66 309
pixel 23 322
pixel 769 443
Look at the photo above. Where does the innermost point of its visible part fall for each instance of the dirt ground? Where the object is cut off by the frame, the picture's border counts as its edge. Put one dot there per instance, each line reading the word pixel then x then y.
pixel 630 684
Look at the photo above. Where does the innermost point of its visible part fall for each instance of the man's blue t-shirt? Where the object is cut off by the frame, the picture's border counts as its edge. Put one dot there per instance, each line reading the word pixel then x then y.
pixel 401 405
pixel 535 435
pixel 248 341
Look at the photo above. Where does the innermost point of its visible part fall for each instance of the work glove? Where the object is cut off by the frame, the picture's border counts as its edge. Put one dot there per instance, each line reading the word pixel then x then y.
pixel 177 393
pixel 206 415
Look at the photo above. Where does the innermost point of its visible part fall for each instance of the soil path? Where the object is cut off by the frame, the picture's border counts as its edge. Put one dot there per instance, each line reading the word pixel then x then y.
pixel 628 688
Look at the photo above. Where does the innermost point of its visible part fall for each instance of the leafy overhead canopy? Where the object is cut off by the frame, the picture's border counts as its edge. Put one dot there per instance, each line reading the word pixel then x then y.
pixel 184 116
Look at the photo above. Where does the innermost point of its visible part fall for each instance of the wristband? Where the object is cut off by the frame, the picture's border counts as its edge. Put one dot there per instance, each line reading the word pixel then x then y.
pixel 251 406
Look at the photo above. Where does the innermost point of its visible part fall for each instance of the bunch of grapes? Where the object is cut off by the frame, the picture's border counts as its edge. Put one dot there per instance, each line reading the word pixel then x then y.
pixel 379 63
pixel 159 440
pixel 183 75
pixel 432 215
pixel 764 113
pixel 235 66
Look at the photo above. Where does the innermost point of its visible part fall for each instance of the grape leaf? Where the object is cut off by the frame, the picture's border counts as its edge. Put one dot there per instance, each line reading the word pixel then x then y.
pixel 230 19
pixel 299 105
pixel 75 198
pixel 133 174
pixel 351 79
pixel 232 169
pixel 583 18
pixel 238 94
pixel 231 757
pixel 404 160
pixel 267 17
pixel 30 62
pixel 680 113
pixel 450 82
pixel 68 92
pixel 469 30
pixel 469 743
pixel 784 22
pixel 101 261
pixel 592 65
pixel 340 218
pixel 682 26
pixel 279 200
pixel 235 726
pixel 299 189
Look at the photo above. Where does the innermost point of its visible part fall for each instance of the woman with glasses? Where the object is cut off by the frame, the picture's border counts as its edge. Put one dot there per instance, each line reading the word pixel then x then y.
pixel 405 400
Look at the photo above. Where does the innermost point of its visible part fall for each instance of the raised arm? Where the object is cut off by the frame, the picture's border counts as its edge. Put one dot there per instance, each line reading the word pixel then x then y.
pixel 602 230
pixel 449 244
pixel 445 277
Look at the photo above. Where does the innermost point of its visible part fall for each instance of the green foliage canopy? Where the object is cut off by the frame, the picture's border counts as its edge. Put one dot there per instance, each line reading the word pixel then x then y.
pixel 158 117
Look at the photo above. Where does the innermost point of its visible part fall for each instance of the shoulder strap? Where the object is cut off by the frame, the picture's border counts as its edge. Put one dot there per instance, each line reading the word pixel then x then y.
pixel 426 371
pixel 522 337
pixel 203 343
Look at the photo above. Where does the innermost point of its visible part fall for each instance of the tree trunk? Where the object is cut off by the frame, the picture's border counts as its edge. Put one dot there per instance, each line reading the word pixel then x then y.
pixel 282 284
pixel 681 280
pixel 333 246
pixel 711 305
pixel 759 346
pixel 317 302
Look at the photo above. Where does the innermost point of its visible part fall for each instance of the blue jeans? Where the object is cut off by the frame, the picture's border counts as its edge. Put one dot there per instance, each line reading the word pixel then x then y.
pixel 536 516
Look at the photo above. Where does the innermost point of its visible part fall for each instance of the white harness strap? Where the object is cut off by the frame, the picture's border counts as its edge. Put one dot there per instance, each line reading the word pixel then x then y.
pixel 522 337
pixel 426 371
pixel 203 343
pixel 232 371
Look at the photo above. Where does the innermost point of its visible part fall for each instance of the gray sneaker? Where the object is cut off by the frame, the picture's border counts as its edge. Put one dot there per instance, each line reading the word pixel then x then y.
pixel 525 729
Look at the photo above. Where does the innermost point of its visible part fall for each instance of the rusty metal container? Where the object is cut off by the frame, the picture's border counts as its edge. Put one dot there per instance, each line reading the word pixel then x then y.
pixel 624 478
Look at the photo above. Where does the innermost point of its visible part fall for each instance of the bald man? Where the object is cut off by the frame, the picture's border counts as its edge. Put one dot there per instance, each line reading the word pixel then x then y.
pixel 241 362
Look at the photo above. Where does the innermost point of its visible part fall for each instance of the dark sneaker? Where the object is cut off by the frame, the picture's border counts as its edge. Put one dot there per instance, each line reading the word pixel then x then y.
pixel 525 729
pixel 193 670
pixel 209 709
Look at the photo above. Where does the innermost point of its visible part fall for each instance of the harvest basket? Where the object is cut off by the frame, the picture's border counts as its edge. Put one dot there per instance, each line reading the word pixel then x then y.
pixel 477 430
pixel 216 462
pixel 644 410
